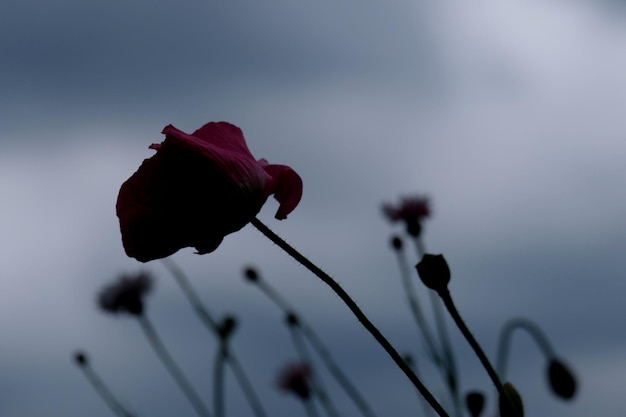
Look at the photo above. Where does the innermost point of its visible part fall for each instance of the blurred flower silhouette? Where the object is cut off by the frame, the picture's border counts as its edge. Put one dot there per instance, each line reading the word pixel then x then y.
pixel 411 210
pixel 296 378
pixel 197 189
pixel 561 379
pixel 126 294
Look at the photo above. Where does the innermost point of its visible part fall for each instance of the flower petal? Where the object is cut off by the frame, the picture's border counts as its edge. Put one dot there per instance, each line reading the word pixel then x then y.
pixel 286 185
pixel 223 143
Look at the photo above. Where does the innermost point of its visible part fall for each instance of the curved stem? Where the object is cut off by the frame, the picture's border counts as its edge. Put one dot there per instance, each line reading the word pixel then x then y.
pixel 171 366
pixel 369 326
pixel 505 339
pixel 447 300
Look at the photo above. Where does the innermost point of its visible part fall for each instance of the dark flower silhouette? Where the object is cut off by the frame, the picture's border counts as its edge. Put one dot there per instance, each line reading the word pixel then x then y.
pixel 296 378
pixel 126 294
pixel 411 210
pixel 197 189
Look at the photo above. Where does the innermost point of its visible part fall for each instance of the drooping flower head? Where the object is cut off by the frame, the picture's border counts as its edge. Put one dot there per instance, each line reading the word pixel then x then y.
pixel 411 210
pixel 296 379
pixel 197 189
pixel 126 294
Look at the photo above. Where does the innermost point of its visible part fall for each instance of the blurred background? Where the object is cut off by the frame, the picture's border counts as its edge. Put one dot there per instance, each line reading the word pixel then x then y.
pixel 508 114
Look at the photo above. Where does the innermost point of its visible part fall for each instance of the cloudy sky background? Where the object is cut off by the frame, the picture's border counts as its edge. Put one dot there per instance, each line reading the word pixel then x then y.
pixel 507 113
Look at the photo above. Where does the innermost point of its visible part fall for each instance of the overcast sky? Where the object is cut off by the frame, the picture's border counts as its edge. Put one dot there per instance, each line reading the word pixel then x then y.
pixel 508 114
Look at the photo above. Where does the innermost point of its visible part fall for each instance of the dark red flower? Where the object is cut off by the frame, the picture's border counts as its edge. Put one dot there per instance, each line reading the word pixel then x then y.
pixel 410 210
pixel 197 189
pixel 296 378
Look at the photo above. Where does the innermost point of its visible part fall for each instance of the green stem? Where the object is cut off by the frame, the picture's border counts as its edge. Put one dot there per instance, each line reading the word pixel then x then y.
pixel 369 326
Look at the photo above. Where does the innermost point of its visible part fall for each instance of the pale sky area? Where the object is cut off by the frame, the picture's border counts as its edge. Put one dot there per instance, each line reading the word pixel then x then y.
pixel 507 114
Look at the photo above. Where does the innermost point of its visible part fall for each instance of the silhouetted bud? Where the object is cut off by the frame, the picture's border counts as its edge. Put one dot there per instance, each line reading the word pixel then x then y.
pixel 475 402
pixel 292 319
pixel 80 358
pixel 396 243
pixel 226 328
pixel 434 271
pixel 251 274
pixel 513 397
pixel 561 379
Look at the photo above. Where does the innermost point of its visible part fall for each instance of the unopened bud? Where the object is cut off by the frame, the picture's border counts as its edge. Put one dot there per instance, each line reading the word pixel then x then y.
pixel 511 405
pixel 475 402
pixel 251 275
pixel 561 379
pixel 434 272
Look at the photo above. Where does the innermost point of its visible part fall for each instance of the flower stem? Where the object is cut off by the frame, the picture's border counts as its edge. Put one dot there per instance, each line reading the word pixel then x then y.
pixel 447 300
pixel 212 326
pixel 505 338
pixel 316 382
pixel 171 366
pixel 448 356
pixel 104 392
pixel 318 345
pixel 218 380
pixel 369 326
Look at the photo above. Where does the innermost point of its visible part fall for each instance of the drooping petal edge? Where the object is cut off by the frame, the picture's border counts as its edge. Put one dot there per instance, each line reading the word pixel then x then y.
pixel 285 184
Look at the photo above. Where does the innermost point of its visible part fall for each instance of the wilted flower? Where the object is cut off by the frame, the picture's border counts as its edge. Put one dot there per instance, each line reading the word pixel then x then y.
pixel 561 379
pixel 411 211
pixel 296 378
pixel 197 189
pixel 126 295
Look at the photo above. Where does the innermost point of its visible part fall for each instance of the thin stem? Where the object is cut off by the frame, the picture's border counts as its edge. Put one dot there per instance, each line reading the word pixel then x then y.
pixel 218 380
pixel 369 326
pixel 505 339
pixel 104 392
pixel 245 385
pixel 191 295
pixel 427 410
pixel 212 326
pixel 171 366
pixel 447 300
pixel 310 407
pixel 323 352
pixel 448 356
pixel 316 382
pixel 416 310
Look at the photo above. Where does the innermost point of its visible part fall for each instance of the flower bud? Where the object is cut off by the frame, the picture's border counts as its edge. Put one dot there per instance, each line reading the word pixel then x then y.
pixel 80 358
pixel 226 327
pixel 251 275
pixel 292 319
pixel 561 379
pixel 475 402
pixel 434 271
pixel 513 406
pixel 396 243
